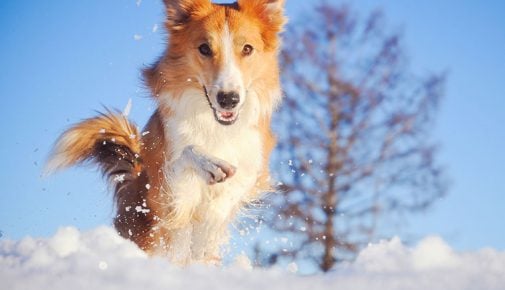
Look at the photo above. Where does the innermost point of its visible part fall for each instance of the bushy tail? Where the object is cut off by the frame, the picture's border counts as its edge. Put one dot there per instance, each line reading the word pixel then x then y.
pixel 109 140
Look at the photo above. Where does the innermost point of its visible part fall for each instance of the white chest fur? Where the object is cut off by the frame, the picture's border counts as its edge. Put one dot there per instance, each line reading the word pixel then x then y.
pixel 201 212
pixel 193 124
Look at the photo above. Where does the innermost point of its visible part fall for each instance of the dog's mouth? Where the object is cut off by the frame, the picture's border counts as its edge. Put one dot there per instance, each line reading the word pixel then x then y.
pixel 223 117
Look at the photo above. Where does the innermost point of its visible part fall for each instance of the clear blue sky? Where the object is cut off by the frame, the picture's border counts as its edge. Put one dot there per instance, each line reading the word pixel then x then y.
pixel 60 60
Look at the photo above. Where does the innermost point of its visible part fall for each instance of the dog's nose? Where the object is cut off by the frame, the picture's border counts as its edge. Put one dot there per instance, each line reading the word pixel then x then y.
pixel 228 100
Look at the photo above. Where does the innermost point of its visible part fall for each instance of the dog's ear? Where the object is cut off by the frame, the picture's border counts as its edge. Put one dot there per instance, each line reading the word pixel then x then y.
pixel 179 12
pixel 270 12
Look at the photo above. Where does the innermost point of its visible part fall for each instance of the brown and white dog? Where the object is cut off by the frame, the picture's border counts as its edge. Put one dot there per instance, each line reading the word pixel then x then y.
pixel 204 153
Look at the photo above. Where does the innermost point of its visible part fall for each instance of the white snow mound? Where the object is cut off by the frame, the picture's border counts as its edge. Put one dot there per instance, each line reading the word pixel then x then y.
pixel 100 259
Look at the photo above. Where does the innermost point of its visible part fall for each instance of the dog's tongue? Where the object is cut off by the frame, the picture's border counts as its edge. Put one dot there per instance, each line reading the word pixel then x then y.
pixel 227 115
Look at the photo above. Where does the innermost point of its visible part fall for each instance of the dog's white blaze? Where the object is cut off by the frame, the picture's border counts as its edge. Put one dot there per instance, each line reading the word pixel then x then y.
pixel 230 76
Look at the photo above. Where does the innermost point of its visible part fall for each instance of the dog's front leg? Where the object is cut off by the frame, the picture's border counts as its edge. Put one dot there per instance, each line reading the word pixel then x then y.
pixel 211 169
pixel 186 177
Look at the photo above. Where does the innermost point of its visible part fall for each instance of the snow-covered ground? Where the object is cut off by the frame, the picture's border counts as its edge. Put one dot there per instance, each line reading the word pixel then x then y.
pixel 100 259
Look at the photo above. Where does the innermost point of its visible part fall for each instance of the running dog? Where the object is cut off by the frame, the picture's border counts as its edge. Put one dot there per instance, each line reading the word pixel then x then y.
pixel 203 156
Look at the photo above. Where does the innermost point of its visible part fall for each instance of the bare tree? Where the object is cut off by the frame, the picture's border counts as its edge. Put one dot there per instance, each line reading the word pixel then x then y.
pixel 353 136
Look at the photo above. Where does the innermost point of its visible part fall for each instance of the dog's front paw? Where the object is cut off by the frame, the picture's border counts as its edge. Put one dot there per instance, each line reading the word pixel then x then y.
pixel 213 170
pixel 216 170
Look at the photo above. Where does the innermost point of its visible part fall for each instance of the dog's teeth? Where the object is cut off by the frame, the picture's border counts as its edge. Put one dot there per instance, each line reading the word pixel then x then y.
pixel 226 115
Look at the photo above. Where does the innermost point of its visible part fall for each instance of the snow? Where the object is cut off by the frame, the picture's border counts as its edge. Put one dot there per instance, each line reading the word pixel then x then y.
pixel 140 209
pixel 119 178
pixel 128 107
pixel 100 259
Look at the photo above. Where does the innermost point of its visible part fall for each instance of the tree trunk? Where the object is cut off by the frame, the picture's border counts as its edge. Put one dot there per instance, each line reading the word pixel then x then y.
pixel 331 196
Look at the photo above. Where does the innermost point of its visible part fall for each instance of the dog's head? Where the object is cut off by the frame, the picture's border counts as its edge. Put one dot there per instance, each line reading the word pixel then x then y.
pixel 224 50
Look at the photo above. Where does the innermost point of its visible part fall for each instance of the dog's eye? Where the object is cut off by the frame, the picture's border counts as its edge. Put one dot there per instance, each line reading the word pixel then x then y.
pixel 205 50
pixel 247 50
